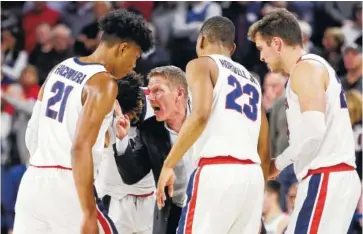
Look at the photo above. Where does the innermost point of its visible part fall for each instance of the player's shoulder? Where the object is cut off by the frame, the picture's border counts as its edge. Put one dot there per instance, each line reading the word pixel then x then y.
pixel 205 61
pixel 311 63
pixel 204 65
pixel 309 72
pixel 102 81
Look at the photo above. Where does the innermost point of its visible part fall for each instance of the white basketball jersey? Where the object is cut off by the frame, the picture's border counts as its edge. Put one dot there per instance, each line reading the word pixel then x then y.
pixel 234 125
pixel 273 226
pixel 109 181
pixel 338 144
pixel 60 108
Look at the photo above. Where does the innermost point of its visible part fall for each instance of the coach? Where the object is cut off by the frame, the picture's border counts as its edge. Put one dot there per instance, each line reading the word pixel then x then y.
pixel 169 98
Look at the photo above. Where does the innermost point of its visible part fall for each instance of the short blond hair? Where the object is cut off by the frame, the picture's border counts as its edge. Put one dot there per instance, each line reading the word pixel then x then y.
pixel 174 74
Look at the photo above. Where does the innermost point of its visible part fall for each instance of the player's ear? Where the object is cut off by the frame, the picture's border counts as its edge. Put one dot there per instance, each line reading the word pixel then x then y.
pixel 122 48
pixel 203 42
pixel 233 48
pixel 277 43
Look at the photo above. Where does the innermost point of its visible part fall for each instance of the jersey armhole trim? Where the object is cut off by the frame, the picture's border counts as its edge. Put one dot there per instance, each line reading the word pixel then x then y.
pixel 324 65
pixel 84 84
pixel 217 64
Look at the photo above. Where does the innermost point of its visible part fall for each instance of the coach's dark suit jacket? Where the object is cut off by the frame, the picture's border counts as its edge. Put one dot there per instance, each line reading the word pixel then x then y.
pixel 152 147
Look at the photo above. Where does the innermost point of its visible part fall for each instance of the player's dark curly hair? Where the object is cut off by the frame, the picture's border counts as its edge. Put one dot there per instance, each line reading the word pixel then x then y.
pixel 130 94
pixel 125 25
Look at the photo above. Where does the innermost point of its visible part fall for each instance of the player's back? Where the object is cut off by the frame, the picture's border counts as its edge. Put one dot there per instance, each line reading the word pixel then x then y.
pixel 234 124
pixel 338 144
pixel 60 109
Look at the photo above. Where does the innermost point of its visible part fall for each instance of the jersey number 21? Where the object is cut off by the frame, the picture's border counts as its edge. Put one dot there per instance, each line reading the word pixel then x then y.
pixel 61 94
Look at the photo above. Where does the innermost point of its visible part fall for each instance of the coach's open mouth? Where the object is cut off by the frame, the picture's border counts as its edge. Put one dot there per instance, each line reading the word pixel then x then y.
pixel 156 108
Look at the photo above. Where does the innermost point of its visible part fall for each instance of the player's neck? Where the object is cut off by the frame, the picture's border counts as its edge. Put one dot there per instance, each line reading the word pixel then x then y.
pixel 176 121
pixel 98 56
pixel 273 213
pixel 292 55
pixel 216 49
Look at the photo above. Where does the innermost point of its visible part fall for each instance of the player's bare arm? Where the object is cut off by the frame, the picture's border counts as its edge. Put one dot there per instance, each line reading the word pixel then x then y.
pixel 308 81
pixel 98 97
pixel 41 91
pixel 263 147
pixel 200 74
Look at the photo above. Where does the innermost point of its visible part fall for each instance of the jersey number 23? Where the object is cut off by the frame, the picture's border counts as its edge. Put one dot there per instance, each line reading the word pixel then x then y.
pixel 249 109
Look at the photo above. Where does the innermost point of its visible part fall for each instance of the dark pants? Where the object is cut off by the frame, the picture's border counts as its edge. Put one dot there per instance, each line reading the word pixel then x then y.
pixel 166 220
pixel 173 219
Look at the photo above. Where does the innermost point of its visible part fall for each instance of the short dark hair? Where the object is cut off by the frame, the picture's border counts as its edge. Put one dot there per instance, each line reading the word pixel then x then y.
pixel 278 23
pixel 129 93
pixel 126 25
pixel 219 29
pixel 274 186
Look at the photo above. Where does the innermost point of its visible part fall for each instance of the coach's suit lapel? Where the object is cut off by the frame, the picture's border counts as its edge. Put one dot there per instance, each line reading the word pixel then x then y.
pixel 159 137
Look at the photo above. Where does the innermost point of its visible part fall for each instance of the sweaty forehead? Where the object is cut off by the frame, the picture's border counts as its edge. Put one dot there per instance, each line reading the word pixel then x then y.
pixel 259 41
pixel 157 81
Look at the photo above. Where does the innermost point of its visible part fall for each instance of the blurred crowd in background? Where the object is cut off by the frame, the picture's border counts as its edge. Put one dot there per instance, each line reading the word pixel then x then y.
pixel 35 36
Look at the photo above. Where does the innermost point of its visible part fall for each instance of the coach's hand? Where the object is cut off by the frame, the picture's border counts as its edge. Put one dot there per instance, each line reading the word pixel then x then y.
pixel 89 225
pixel 122 122
pixel 166 178
pixel 274 172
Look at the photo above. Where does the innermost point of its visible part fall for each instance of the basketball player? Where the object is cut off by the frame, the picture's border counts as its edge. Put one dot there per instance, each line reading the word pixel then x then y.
pixel 131 207
pixel 229 130
pixel 71 116
pixel 274 219
pixel 320 136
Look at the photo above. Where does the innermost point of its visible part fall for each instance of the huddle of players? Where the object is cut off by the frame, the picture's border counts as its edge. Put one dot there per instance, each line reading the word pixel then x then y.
pixel 319 177
pixel 320 168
